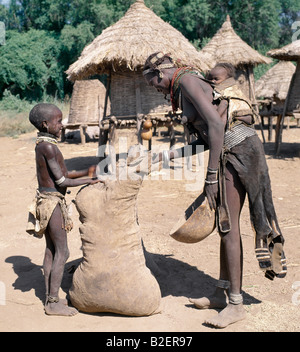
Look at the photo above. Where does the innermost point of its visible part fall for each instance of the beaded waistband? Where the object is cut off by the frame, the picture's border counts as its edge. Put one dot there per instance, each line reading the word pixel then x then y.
pixel 237 134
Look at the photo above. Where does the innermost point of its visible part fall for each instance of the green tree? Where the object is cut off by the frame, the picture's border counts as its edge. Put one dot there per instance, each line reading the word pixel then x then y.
pixel 29 65
pixel 290 13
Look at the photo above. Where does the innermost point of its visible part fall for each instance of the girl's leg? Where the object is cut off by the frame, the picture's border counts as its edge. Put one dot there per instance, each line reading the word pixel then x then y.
pixel 58 236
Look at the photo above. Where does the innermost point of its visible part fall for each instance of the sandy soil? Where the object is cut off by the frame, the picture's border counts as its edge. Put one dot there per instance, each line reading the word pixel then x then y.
pixel 186 270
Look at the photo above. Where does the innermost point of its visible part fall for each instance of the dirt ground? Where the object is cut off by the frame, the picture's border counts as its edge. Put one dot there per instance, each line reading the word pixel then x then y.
pixel 185 270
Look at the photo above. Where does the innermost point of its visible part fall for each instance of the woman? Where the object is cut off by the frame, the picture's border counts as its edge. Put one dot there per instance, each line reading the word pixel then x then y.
pixel 230 149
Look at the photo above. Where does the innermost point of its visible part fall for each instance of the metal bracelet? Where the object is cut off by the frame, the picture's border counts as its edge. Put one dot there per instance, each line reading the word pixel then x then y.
pixel 211 182
pixel 212 171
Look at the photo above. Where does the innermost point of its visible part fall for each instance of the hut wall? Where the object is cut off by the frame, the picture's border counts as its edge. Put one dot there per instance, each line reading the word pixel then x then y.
pixel 131 95
pixel 87 102
pixel 294 94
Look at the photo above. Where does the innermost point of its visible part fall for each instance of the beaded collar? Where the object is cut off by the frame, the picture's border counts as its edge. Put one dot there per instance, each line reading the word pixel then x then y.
pixel 46 137
pixel 175 89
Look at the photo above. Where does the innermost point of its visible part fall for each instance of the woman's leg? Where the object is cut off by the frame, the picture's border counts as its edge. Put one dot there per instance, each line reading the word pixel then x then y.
pixel 231 256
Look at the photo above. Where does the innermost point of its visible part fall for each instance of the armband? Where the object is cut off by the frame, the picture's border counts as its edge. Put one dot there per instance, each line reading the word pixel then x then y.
pixel 60 181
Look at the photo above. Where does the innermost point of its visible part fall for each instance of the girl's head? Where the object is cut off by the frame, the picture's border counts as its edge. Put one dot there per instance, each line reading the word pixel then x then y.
pixel 46 118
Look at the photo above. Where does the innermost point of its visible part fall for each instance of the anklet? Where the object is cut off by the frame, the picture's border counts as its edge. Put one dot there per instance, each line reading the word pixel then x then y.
pixel 235 298
pixel 52 299
pixel 225 284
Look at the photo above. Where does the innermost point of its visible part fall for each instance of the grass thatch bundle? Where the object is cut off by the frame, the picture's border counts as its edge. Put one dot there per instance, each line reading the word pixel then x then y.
pixel 127 44
pixel 227 46
pixel 274 84
pixel 290 52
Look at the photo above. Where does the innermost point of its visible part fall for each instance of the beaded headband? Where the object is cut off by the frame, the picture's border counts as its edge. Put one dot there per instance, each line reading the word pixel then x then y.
pixel 158 67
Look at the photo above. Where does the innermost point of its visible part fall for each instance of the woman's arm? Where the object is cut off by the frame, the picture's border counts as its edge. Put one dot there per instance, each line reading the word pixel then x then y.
pixel 90 172
pixel 195 95
pixel 185 151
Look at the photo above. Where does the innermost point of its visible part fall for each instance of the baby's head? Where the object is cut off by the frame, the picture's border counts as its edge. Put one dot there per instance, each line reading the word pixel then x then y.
pixel 46 118
pixel 221 72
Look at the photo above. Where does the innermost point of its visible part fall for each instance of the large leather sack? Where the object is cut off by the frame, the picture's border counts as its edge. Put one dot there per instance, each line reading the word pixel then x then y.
pixel 112 276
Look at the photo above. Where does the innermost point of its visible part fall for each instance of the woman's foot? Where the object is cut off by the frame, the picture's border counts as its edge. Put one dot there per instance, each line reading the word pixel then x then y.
pixel 218 300
pixel 229 315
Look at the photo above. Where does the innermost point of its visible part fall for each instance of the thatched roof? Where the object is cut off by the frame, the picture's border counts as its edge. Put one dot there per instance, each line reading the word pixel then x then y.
pixel 128 43
pixel 87 102
pixel 276 81
pixel 227 46
pixel 290 52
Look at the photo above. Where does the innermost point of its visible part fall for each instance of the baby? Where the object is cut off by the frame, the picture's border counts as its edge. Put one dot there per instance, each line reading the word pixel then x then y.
pixel 232 105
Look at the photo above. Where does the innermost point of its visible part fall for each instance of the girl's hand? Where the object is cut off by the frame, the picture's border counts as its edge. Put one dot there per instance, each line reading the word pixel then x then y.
pixel 95 180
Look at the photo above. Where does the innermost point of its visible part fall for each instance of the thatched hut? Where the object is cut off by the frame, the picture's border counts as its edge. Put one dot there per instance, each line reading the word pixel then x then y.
pixel 120 52
pixel 86 106
pixel 87 101
pixel 272 89
pixel 227 46
pixel 274 84
pixel 290 52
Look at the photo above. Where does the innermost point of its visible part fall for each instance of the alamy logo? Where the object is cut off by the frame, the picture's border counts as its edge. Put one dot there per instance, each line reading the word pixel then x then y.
pixel 2 294
pixel 296 27
pixel 296 295
pixel 2 33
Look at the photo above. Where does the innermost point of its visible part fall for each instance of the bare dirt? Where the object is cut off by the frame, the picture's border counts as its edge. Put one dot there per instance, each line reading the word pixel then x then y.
pixel 183 270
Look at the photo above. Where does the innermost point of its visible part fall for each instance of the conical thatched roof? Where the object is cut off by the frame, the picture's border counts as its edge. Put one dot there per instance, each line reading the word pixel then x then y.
pixel 276 81
pixel 290 52
pixel 227 46
pixel 128 43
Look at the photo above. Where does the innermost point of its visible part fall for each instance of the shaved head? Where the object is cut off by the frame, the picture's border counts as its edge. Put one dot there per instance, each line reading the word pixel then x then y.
pixel 42 112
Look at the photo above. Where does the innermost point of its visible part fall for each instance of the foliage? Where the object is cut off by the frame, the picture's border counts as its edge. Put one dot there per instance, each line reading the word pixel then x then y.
pixel 29 66
pixel 45 36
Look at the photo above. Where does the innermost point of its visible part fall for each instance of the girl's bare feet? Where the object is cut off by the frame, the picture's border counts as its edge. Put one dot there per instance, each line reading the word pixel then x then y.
pixel 62 300
pixel 58 307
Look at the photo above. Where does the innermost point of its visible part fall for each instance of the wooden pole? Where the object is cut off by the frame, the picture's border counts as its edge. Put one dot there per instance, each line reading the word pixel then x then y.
pixel 103 134
pixel 139 114
pixel 253 98
pixel 280 121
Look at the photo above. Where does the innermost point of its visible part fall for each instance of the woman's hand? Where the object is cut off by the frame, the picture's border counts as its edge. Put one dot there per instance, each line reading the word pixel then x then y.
pixel 92 171
pixel 211 189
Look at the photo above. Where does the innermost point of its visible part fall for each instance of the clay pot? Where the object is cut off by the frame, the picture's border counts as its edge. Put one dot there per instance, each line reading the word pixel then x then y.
pixel 146 133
